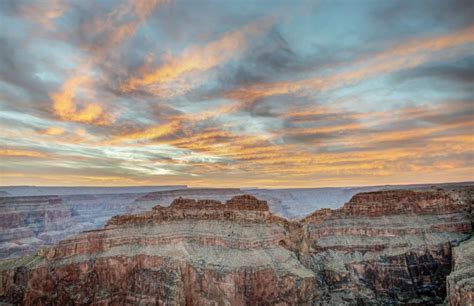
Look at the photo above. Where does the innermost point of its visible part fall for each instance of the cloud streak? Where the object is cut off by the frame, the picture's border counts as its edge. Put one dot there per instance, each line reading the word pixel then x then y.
pixel 201 58
pixel 405 55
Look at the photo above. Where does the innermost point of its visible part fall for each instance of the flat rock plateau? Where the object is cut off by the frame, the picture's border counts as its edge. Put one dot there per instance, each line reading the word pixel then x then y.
pixel 381 247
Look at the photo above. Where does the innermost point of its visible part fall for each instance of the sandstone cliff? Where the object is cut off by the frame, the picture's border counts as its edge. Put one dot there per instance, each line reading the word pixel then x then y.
pixel 386 247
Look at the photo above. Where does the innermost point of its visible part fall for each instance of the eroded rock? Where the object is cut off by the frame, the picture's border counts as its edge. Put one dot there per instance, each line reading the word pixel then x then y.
pixel 382 248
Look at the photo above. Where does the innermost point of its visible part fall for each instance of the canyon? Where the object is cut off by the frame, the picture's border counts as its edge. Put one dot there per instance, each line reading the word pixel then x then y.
pixel 229 247
pixel 31 217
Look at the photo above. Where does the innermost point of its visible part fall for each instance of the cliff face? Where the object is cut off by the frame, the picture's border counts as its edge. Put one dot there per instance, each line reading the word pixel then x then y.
pixel 164 198
pixel 395 244
pixel 28 222
pixel 380 247
pixel 461 280
pixel 198 253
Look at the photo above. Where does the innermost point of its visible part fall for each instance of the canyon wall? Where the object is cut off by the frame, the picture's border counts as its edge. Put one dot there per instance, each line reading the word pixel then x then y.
pixel 389 247
pixel 30 222
pixel 23 231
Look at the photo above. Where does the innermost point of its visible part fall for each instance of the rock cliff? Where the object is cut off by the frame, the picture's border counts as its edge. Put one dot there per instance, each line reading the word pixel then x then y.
pixel 28 222
pixel 387 247
pixel 461 280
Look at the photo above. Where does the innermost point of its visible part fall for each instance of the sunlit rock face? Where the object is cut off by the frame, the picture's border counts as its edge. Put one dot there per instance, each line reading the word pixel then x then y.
pixel 164 198
pixel 91 207
pixel 380 247
pixel 395 244
pixel 194 252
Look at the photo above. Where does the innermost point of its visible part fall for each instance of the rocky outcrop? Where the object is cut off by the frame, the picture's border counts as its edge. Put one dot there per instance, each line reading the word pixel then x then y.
pixel 380 247
pixel 397 244
pixel 461 280
pixel 193 252
pixel 164 198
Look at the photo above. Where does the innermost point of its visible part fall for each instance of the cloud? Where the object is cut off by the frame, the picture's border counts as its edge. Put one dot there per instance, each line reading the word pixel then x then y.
pixel 406 55
pixel 65 107
pixel 101 34
pixel 42 13
pixel 5 153
pixel 201 58
pixel 148 92
pixel 53 131
pixel 459 71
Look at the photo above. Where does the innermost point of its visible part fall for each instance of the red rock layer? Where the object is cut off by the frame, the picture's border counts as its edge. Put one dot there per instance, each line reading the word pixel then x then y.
pixel 398 243
pixel 164 198
pixel 392 202
pixel 217 260
pixel 383 248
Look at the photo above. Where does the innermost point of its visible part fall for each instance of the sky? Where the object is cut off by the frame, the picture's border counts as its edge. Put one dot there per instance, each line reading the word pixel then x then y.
pixel 236 93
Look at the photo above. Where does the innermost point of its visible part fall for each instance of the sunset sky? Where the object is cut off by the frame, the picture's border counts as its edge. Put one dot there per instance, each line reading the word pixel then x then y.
pixel 236 93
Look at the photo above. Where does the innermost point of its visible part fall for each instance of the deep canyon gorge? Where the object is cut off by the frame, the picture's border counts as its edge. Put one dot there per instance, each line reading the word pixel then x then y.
pixel 228 247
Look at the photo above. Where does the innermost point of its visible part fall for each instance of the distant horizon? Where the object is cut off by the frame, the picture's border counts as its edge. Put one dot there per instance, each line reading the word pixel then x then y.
pixel 237 187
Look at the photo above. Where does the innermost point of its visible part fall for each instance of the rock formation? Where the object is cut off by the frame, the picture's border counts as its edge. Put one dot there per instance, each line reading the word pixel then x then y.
pixel 461 280
pixel 28 222
pixel 381 247
pixel 91 207
pixel 164 198
pixel 395 243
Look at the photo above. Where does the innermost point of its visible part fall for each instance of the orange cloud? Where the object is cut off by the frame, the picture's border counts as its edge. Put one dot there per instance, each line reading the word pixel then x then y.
pixel 65 108
pixel 21 153
pixel 43 13
pixel 149 133
pixel 405 55
pixel 201 58
pixel 119 24
pixel 53 131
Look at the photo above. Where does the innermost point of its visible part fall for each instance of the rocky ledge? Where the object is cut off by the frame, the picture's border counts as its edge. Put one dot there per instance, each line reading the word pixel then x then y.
pixel 380 248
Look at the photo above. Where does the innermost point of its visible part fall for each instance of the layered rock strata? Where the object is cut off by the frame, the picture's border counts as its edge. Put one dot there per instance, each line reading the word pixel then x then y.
pixel 396 244
pixel 164 198
pixel 381 247
pixel 461 280
pixel 28 222
pixel 194 252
